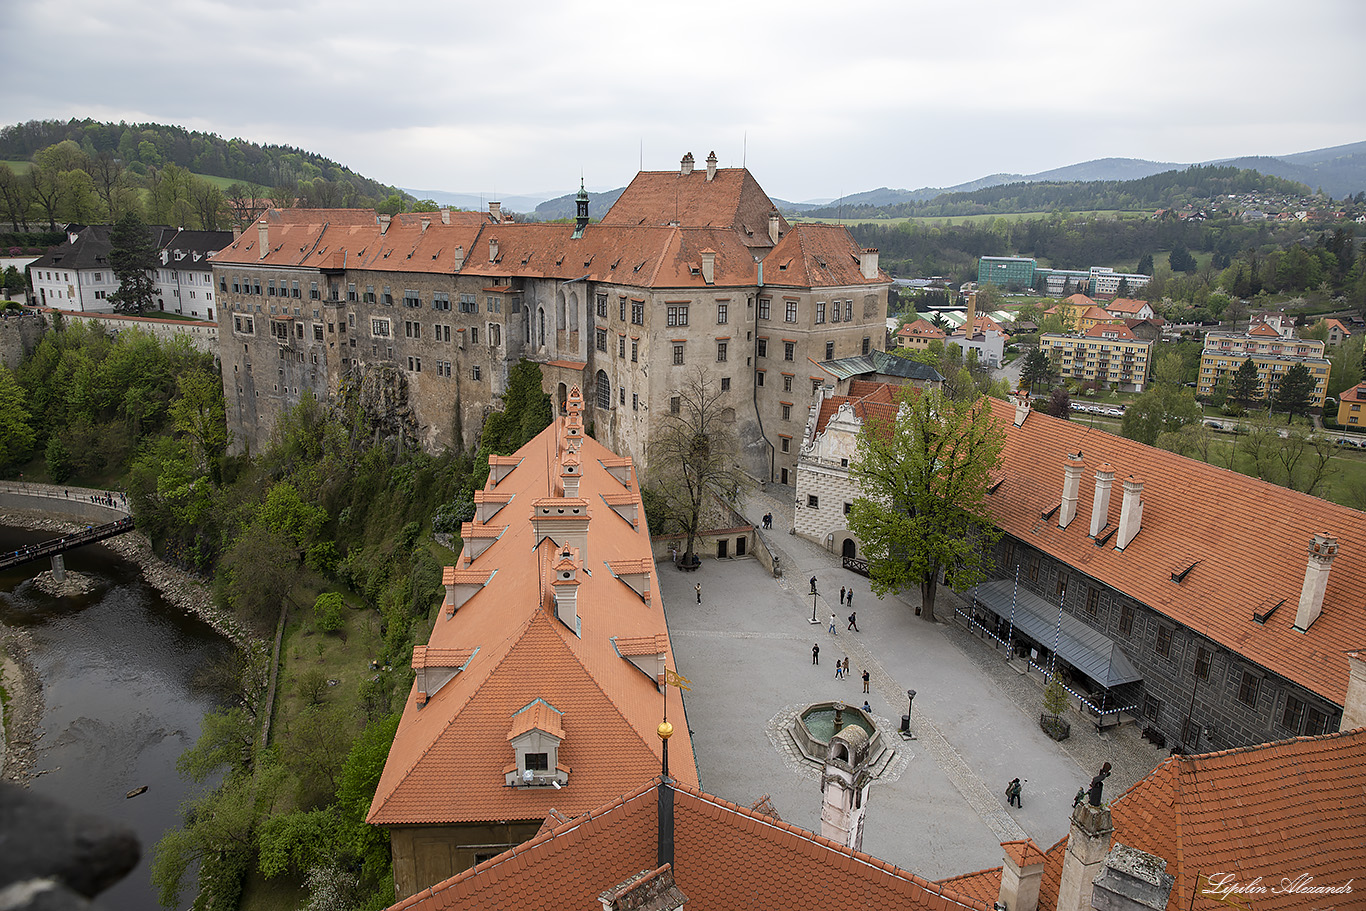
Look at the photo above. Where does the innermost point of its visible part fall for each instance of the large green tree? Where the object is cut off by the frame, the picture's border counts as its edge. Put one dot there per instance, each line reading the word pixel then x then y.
pixel 923 476
pixel 132 258
pixel 1163 408
pixel 16 431
pixel 1245 386
pixel 1037 369
pixel 1294 393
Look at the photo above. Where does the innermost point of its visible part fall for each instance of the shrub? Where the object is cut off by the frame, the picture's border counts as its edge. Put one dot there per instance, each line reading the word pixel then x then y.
pixel 328 612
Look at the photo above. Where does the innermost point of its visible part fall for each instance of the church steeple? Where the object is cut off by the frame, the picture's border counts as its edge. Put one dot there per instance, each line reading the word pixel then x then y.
pixel 581 215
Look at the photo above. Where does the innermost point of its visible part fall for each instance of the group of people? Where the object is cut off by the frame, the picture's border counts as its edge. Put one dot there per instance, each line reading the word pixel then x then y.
pixel 768 521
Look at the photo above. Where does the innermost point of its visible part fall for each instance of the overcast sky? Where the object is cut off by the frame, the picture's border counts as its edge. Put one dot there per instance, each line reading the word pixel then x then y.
pixel 818 99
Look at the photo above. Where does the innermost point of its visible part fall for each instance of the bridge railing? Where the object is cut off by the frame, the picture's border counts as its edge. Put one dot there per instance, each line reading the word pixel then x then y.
pixel 109 499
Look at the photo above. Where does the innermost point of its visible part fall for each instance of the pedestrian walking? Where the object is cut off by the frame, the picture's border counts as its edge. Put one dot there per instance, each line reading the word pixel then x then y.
pixel 865 681
pixel 699 593
pixel 866 707
pixel 839 671
pixel 853 622
pixel 842 590
pixel 813 583
pixel 846 665
pixel 850 600
pixel 1013 794
pixel 832 624
pixel 816 653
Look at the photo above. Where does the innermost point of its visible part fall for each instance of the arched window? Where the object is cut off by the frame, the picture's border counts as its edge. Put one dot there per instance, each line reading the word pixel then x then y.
pixel 604 390
pixel 541 312
pixel 841 752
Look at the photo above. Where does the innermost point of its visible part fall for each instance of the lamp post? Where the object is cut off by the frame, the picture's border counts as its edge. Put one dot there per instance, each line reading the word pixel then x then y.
pixel 813 605
pixel 906 732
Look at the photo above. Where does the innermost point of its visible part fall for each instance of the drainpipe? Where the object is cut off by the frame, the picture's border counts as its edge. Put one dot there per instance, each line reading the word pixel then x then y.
pixel 754 388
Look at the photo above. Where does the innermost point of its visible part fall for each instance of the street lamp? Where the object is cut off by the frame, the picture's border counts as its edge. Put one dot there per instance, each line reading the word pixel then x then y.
pixel 813 605
pixel 906 732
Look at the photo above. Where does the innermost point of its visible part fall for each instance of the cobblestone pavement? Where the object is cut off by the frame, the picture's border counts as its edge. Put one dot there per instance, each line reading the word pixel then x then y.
pixel 939 808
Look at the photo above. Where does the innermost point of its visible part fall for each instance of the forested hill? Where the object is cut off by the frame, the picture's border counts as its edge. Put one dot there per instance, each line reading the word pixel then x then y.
pixel 1196 185
pixel 141 146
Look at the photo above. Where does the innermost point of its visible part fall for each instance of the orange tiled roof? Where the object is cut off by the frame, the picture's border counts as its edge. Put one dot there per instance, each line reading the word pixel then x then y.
pixel 1276 810
pixel 642 645
pixel 1125 305
pixel 1079 301
pixel 539 716
pixel 815 256
pixel 448 758
pixel 1337 324
pixel 1117 329
pixel 1356 394
pixel 1248 538
pixel 726 856
pixel 921 328
pixel 875 399
pixel 1262 330
pixel 731 199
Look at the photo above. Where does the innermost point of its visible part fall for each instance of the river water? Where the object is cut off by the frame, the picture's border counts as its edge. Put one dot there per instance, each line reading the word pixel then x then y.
pixel 123 696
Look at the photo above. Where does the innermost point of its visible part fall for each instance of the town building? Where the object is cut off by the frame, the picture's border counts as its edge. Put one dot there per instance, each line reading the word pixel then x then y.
pixel 1279 320
pixel 1127 308
pixel 201 335
pixel 917 335
pixel 1105 354
pixel 543 681
pixel 1024 273
pixel 1273 353
pixel 1337 331
pixel 1079 313
pixel 1212 607
pixel 1352 406
pixel 76 275
pixel 1276 827
pixel 691 272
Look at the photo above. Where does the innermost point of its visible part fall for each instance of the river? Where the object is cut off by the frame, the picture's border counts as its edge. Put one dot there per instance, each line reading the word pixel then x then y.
pixel 122 696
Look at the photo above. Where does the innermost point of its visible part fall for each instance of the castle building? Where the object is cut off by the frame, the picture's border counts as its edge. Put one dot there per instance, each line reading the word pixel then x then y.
pixel 1209 606
pixel 690 273
pixel 543 681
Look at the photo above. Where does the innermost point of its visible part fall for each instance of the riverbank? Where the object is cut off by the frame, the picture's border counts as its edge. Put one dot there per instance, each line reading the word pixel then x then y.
pixel 18 676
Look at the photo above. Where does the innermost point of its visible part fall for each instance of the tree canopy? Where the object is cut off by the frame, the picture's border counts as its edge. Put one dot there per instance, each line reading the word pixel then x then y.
pixel 1295 392
pixel 923 478
pixel 132 258
pixel 1163 408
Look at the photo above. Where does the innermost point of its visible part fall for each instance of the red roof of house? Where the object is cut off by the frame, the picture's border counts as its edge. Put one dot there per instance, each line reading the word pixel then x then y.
pixel 1275 811
pixel 921 328
pixel 732 199
pixel 1125 305
pixel 1356 394
pixel 725 856
pixel 1118 330
pixel 1262 330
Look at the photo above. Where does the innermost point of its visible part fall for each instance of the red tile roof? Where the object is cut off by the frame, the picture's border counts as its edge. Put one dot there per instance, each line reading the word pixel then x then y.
pixel 921 328
pixel 448 759
pixel 732 199
pixel 725 856
pixel 815 256
pixel 1247 538
pixel 1122 305
pixel 1278 810
pixel 1118 330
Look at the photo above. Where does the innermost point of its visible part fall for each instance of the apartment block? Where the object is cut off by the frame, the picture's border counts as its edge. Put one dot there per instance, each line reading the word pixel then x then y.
pixel 1107 353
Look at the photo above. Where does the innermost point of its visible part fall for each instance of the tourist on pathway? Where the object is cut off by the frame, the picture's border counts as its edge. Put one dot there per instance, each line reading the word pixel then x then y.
pixel 865 681
pixel 839 671
pixel 846 665
pixel 1013 794
pixel 849 600
pixel 699 593
pixel 816 653
pixel 853 622
pixel 832 623
pixel 842 590
pixel 866 707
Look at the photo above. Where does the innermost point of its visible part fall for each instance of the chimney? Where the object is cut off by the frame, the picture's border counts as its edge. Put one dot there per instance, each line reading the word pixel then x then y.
pixel 1020 399
pixel 647 889
pixel 566 586
pixel 971 314
pixel 1100 510
pixel 1322 550
pixel 867 262
pixel 1087 844
pixel 774 231
pixel 459 258
pixel 384 224
pixel 1132 880
pixel 711 166
pixel 1021 876
pixel 493 249
pixel 263 236
pixel 496 212
pixel 1130 512
pixel 1071 486
pixel 685 166
pixel 569 472
pixel 709 266
pixel 1354 706
pixel 445 215
pixel 426 223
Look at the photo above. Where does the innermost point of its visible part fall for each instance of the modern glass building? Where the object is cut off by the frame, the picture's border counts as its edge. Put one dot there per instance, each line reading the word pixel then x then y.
pixel 1005 271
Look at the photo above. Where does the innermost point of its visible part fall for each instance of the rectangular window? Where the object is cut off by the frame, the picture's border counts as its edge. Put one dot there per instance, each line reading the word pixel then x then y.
pixel 602 306
pixel 678 316
pixel 622 391
pixel 1126 619
pixel 635 350
pixel 849 313
pixel 1163 646
pixel 674 405
pixel 369 297
pixel 351 291
pixel 816 386
pixel 1202 657
pixel 763 307
pixel 469 303
pixel 1034 569
pixel 601 340
pixel 379 327
pixel 1315 723
pixel 638 312
pixel 865 344
pixel 722 314
pixel 820 311
pixel 317 332
pixel 537 762
pixel 725 384
pixel 635 401
pixel 236 287
pixel 621 309
pixel 270 288
pixel 787 382
pixel 835 312
pixel 1293 714
pixel 313 291
pixel 720 352
pixel 475 373
pixel 787 444
pixel 759 378
pixel 1247 689
pixel 474 335
pixel 495 304
pixel 787 411
pixel 791 311
pixel 441 300
pixel 621 346
pixel 411 298
pixel 1152 708
pixel 829 350
pixel 762 350
pixel 1093 601
pixel 789 349
pixel 678 353
pixel 812 502
pixel 847 508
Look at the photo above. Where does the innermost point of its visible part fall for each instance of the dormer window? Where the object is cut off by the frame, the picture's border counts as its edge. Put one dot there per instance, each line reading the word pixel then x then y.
pixel 535 738
pixel 536 762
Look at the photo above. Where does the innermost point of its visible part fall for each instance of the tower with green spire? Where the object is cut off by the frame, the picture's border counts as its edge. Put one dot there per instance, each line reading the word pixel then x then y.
pixel 581 215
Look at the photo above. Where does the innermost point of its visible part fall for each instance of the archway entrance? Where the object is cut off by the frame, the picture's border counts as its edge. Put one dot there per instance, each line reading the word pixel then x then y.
pixel 849 548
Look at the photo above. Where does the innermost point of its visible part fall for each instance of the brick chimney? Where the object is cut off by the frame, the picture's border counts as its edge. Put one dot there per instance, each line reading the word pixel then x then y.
pixel 1100 510
pixel 685 166
pixel 493 249
pixel 971 315
pixel 1088 842
pixel 646 890
pixel 774 226
pixel 1322 550
pixel 384 224
pixel 1132 880
pixel 709 266
pixel 496 212
pixel 1071 486
pixel 1130 512
pixel 566 586
pixel 445 215
pixel 711 166
pixel 1354 705
pixel 867 262
pixel 1021 876
pixel 459 258
pixel 263 238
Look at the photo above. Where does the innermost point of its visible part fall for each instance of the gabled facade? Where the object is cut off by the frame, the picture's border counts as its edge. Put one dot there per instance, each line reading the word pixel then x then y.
pixel 1127 308
pixel 1352 406
pixel 541 686
pixel 918 335
pixel 689 270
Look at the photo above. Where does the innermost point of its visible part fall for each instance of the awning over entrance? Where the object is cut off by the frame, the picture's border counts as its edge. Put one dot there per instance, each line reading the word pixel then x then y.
pixel 1090 652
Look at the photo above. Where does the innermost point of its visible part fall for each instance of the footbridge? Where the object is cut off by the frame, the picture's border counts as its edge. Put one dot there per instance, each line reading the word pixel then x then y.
pixel 103 513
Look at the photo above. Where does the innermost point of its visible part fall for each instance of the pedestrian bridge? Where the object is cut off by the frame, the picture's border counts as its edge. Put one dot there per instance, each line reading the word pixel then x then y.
pixel 60 545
